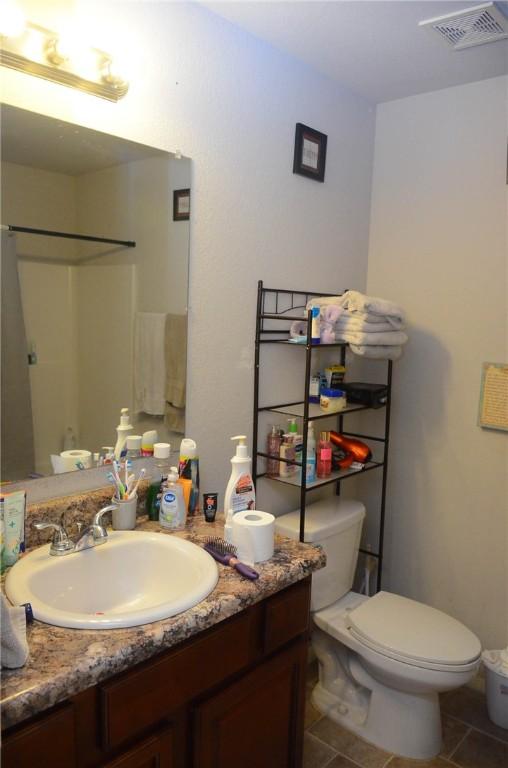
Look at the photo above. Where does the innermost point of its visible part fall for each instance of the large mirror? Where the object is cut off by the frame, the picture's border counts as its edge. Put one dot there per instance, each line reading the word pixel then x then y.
pixel 89 326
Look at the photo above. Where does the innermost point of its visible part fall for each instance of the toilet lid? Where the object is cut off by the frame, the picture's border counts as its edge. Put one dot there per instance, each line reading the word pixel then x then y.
pixel 405 629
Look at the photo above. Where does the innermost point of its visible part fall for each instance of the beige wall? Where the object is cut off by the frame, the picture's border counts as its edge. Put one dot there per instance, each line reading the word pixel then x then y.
pixel 231 102
pixel 36 198
pixel 131 201
pixel 438 247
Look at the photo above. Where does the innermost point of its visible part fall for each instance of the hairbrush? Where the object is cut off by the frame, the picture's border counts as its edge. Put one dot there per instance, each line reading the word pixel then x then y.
pixel 225 553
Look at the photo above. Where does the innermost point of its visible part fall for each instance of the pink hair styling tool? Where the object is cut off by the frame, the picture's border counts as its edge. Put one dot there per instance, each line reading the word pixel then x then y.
pixel 225 553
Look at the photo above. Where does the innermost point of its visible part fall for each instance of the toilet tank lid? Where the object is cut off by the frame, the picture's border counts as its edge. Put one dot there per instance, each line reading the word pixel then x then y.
pixel 322 519
pixel 404 628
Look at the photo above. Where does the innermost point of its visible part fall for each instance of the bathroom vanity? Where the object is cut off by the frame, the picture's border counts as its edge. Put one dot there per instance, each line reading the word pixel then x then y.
pixel 219 684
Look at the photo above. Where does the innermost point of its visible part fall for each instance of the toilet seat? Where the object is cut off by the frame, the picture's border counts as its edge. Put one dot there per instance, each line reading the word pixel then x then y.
pixel 414 633
pixel 403 630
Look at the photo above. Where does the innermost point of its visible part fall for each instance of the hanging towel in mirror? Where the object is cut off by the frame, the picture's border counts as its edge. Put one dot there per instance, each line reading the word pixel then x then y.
pixel 149 363
pixel 176 371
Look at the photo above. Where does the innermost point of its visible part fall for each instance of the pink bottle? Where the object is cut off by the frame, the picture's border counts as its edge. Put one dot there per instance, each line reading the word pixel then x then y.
pixel 324 456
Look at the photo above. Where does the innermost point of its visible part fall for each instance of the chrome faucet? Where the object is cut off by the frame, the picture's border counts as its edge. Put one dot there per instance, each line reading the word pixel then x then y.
pixel 92 536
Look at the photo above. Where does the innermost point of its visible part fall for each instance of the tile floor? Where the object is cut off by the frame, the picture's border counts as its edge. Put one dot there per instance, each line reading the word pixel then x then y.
pixel 470 739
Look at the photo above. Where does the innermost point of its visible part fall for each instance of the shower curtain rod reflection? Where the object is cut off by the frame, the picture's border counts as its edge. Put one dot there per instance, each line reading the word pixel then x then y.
pixel 70 236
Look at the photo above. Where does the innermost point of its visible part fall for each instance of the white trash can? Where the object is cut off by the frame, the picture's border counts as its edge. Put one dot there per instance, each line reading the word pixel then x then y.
pixel 496 667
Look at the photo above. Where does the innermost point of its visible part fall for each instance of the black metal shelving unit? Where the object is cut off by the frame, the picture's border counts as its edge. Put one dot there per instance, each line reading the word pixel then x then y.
pixel 278 307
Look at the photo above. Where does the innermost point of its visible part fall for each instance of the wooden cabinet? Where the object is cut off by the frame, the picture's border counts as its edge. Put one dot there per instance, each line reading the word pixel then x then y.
pixel 232 694
pixel 257 721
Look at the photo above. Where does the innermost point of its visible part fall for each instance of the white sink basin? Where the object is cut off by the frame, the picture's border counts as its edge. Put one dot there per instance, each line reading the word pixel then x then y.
pixel 134 578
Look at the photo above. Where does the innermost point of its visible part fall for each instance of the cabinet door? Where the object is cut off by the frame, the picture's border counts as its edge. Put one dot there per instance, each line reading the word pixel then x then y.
pixel 46 743
pixel 154 752
pixel 257 721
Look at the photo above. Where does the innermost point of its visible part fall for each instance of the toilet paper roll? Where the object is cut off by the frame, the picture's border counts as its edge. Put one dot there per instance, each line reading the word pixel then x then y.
pixel 71 459
pixel 253 533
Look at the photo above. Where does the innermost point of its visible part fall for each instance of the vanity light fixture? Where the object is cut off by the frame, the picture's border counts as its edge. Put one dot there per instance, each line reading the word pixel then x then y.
pixel 32 49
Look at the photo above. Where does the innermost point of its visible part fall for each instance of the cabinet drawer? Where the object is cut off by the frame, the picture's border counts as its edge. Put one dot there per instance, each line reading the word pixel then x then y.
pixel 139 699
pixel 47 742
pixel 287 615
pixel 154 752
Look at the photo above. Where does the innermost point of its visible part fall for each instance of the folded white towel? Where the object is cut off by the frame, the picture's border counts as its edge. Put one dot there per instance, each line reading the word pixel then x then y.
pixel 350 323
pixel 381 352
pixel 149 363
pixel 390 338
pixel 354 300
pixel 356 304
pixel 13 629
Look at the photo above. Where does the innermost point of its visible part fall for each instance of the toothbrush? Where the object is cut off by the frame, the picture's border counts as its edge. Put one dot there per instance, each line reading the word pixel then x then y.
pixel 225 553
pixel 121 489
pixel 134 490
pixel 128 465
pixel 111 478
pixel 130 482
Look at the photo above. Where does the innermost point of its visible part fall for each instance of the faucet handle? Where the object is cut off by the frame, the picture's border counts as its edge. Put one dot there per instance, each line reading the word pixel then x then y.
pixel 97 520
pixel 61 543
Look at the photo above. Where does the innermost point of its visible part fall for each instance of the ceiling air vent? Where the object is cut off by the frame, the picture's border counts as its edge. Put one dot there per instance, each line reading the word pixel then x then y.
pixel 462 29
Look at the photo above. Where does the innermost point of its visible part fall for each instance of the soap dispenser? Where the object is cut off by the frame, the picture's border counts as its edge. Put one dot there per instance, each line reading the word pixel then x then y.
pixel 240 492
pixel 173 511
pixel 122 431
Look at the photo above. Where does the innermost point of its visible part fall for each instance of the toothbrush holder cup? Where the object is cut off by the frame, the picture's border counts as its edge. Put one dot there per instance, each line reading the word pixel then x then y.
pixel 124 516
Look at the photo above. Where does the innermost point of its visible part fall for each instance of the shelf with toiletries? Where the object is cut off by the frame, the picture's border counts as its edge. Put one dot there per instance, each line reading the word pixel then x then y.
pixel 335 475
pixel 276 319
pixel 314 410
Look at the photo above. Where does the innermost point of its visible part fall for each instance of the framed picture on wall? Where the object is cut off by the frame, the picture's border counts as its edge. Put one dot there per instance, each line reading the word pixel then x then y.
pixel 310 153
pixel 181 204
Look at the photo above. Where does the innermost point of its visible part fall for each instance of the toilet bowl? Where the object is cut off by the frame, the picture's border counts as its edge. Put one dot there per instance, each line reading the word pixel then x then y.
pixel 383 660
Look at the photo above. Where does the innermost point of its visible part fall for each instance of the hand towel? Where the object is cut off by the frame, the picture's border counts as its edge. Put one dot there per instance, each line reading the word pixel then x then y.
pixel 354 300
pixel 13 635
pixel 149 363
pixel 390 338
pixel 175 343
pixel 329 316
pixel 381 352
pixel 352 323
pixel 367 308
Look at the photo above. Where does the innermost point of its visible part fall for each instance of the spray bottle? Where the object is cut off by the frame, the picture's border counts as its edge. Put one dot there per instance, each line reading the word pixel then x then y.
pixel 188 468
pixel 240 492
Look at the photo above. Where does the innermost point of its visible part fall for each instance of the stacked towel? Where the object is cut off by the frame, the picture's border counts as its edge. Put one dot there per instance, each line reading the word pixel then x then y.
pixel 372 326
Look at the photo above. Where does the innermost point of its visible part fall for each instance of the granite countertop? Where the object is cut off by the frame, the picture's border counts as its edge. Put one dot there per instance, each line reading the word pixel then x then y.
pixel 63 662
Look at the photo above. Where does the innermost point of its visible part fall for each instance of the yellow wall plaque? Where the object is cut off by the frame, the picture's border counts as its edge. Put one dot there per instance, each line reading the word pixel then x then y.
pixel 493 413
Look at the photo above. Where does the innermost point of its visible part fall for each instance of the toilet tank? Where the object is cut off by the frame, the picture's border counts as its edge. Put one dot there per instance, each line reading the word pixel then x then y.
pixel 335 524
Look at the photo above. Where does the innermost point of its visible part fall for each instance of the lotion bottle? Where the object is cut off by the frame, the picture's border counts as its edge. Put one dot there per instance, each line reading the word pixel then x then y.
pixel 240 493
pixel 122 431
pixel 298 445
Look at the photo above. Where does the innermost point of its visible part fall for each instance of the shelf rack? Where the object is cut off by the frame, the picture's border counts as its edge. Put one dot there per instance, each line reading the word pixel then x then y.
pixel 279 307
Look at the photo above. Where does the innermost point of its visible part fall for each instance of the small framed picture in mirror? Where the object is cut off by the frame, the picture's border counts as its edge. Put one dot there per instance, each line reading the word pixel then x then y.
pixel 310 153
pixel 181 204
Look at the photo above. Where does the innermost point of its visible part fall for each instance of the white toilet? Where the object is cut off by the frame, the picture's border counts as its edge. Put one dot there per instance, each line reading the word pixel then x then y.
pixel 382 659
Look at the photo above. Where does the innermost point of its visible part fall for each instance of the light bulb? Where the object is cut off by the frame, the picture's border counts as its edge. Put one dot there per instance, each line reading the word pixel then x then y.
pixel 12 20
pixel 112 73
